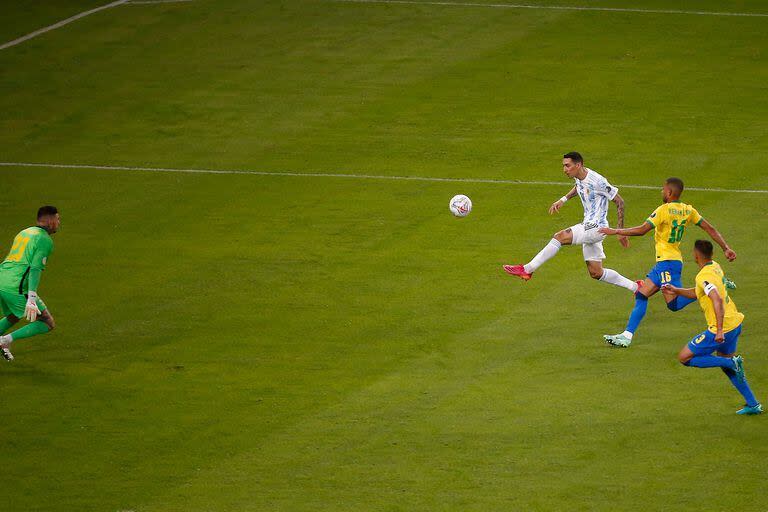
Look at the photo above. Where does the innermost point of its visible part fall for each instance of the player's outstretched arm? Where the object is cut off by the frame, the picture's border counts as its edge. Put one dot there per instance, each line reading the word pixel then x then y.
pixel 668 289
pixel 635 231
pixel 560 202
pixel 730 254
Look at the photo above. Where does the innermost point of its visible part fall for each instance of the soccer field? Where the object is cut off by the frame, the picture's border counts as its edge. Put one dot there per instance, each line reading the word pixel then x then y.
pixel 267 340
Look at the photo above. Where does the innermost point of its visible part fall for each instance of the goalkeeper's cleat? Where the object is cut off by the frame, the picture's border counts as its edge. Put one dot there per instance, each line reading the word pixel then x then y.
pixel 617 340
pixel 729 284
pixel 517 270
pixel 6 353
pixel 749 411
pixel 738 367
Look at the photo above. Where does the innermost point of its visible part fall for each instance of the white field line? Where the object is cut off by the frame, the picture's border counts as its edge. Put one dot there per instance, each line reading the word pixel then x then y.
pixel 410 2
pixel 351 176
pixel 148 2
pixel 559 7
pixel 59 24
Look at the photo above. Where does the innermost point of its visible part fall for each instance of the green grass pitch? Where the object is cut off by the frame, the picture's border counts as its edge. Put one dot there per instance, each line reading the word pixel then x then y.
pixel 234 342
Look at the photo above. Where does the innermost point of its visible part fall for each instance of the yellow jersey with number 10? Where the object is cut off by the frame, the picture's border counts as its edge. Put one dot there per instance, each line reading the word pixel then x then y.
pixel 670 221
pixel 712 274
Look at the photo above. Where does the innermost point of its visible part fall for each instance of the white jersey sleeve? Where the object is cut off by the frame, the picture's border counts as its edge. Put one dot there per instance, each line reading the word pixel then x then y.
pixel 604 188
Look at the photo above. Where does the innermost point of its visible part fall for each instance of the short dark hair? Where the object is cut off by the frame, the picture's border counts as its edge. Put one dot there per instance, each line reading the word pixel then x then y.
pixel 705 247
pixel 575 156
pixel 677 184
pixel 45 211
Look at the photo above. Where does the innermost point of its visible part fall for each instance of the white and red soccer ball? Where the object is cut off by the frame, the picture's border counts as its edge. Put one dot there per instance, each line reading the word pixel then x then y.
pixel 460 205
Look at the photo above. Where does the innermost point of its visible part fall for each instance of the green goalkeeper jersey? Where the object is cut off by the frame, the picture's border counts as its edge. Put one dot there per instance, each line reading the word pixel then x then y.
pixel 29 252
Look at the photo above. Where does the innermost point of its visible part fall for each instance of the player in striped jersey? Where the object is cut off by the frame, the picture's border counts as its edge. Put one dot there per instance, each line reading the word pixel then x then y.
pixel 595 193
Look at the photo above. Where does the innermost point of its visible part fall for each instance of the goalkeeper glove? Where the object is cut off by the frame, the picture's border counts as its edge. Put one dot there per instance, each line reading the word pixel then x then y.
pixel 31 311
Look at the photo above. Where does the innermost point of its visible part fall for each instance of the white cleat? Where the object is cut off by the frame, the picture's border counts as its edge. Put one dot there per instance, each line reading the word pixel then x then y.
pixel 6 353
pixel 617 340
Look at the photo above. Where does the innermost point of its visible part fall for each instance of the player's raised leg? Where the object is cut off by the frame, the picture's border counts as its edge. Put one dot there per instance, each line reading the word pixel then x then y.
pixel 610 276
pixel 593 257
pixel 525 272
pixel 591 241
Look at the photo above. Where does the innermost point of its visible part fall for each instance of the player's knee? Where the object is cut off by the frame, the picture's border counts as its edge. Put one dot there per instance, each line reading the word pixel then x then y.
pixel 595 273
pixel 12 319
pixel 49 321
pixel 684 358
pixel 560 236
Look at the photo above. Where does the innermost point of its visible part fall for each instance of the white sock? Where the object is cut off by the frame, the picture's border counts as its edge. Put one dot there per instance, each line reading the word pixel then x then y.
pixel 628 334
pixel 546 253
pixel 613 277
pixel 6 339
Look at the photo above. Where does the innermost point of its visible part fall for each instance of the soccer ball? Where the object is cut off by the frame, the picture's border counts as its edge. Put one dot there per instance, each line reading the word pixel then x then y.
pixel 460 205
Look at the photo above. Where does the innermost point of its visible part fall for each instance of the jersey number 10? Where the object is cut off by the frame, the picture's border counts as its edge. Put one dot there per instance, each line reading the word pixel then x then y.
pixel 677 232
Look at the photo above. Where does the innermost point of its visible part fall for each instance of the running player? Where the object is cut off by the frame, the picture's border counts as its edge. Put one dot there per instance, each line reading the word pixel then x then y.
pixel 594 192
pixel 20 277
pixel 723 325
pixel 670 221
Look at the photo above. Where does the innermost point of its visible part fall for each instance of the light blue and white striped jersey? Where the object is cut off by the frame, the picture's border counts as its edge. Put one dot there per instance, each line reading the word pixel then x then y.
pixel 595 192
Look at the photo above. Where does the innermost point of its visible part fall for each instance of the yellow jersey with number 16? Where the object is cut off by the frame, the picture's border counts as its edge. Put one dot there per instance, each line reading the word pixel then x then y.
pixel 670 221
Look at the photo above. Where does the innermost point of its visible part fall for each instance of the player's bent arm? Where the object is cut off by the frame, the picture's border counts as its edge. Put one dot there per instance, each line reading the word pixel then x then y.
pixel 718 238
pixel 31 310
pixel 635 231
pixel 619 210
pixel 34 279
pixel 717 304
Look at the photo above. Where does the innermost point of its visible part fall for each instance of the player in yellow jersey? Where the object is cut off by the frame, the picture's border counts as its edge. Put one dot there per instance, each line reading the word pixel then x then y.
pixel 723 325
pixel 670 220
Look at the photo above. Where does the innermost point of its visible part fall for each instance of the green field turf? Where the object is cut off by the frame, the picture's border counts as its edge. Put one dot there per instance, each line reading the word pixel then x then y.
pixel 232 342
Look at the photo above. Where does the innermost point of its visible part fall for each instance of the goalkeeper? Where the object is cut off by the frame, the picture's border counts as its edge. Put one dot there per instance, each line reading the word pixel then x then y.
pixel 20 277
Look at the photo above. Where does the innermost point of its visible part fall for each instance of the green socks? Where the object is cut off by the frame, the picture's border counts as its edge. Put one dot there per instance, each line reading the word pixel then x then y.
pixel 4 325
pixel 29 330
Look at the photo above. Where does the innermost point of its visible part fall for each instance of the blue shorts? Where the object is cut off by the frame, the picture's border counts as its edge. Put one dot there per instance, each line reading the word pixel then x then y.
pixel 667 272
pixel 704 344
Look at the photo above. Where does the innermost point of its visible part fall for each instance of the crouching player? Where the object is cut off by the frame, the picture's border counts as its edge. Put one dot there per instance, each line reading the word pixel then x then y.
pixel 723 326
pixel 19 278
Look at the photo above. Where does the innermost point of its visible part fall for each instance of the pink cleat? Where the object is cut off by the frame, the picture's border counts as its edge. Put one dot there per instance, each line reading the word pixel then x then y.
pixel 517 270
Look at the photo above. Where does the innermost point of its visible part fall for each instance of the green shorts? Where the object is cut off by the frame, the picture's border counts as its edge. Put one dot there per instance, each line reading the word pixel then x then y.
pixel 14 303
